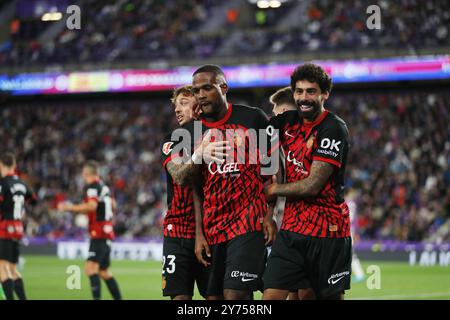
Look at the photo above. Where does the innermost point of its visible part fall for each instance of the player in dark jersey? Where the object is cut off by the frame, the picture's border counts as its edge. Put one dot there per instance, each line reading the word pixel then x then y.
pixel 283 100
pixel 98 205
pixel 181 269
pixel 236 221
pixel 313 252
pixel 14 193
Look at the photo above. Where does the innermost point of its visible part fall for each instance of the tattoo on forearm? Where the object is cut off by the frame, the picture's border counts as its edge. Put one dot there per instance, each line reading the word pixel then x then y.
pixel 320 172
pixel 182 174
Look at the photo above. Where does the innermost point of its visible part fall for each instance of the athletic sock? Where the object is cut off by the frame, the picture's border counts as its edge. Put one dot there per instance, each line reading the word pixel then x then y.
pixel 95 286
pixel 113 287
pixel 357 269
pixel 8 289
pixel 19 289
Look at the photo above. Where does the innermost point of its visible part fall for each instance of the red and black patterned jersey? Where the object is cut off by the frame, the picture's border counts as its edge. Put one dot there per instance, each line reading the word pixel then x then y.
pixel 179 221
pixel 14 193
pixel 234 202
pixel 326 139
pixel 100 221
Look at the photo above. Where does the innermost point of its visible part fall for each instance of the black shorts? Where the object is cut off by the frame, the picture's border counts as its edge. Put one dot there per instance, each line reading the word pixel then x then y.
pixel 9 250
pixel 181 268
pixel 301 262
pixel 99 251
pixel 238 264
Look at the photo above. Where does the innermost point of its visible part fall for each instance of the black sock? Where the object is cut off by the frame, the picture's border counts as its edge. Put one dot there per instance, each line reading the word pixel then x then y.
pixel 19 289
pixel 95 286
pixel 8 289
pixel 113 287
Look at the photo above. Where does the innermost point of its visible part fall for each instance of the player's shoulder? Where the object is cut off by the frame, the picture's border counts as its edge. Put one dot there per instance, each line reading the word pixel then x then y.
pixel 333 121
pixel 248 110
pixel 94 185
pixel 287 117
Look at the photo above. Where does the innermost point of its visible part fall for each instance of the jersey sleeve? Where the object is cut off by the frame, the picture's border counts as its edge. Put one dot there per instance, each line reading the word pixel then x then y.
pixel 91 193
pixel 166 150
pixel 179 144
pixel 332 143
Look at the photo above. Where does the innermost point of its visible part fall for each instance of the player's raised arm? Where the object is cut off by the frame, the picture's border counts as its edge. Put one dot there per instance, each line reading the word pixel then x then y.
pixel 89 206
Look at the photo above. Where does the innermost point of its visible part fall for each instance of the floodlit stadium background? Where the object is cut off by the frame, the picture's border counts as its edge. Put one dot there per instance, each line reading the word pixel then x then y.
pixel 102 92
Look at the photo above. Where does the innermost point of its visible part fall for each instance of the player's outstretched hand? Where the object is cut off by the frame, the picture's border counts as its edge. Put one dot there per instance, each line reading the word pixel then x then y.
pixel 212 151
pixel 270 230
pixel 202 251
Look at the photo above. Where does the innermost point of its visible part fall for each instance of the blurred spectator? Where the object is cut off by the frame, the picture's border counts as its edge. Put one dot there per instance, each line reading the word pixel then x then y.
pixel 145 30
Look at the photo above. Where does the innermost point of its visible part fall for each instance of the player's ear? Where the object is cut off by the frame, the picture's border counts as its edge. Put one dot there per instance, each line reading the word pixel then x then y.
pixel 325 95
pixel 224 88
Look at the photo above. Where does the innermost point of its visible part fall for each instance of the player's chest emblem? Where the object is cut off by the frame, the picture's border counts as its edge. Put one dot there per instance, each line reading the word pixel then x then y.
pixel 238 140
pixel 310 141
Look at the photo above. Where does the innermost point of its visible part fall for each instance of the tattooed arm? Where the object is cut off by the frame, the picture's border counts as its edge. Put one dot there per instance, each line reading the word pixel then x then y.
pixel 308 187
pixel 187 172
pixel 184 173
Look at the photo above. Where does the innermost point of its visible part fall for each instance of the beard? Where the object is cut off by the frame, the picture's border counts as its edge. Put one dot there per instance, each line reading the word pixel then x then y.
pixel 309 109
pixel 211 111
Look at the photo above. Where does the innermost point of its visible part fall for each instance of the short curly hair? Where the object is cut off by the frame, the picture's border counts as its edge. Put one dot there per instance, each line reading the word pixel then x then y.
pixel 312 73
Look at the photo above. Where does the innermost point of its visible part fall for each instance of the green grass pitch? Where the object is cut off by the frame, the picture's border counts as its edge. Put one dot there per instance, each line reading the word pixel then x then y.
pixel 45 278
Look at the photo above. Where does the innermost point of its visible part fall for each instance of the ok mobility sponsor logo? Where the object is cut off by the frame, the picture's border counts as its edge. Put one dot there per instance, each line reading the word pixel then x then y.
pixel 335 278
pixel 245 276
pixel 330 144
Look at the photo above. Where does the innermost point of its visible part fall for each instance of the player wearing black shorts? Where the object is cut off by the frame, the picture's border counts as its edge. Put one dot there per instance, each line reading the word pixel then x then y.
pixel 180 270
pixel 236 223
pixel 98 205
pixel 313 251
pixel 282 101
pixel 14 193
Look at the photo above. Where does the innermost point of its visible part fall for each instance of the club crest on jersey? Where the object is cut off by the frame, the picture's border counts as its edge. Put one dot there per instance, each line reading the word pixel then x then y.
pixel 167 148
pixel 310 141
pixel 237 139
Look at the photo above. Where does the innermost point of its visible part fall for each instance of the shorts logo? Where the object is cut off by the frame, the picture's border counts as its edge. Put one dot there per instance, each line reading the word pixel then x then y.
pixel 335 278
pixel 167 148
pixel 91 254
pixel 245 276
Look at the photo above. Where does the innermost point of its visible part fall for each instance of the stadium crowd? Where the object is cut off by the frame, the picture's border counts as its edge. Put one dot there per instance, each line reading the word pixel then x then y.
pixel 398 179
pixel 149 30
